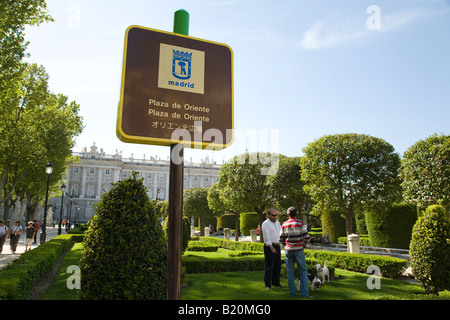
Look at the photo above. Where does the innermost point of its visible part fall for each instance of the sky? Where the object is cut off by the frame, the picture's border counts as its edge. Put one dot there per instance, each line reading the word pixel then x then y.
pixel 302 68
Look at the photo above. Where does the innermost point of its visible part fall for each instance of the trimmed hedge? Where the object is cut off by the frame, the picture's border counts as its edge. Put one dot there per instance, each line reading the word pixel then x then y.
pixel 392 228
pixel 18 277
pixel 311 267
pixel 233 253
pixel 389 267
pixel 196 264
pixel 200 246
pixel 227 221
pixel 333 224
pixel 430 252
pixel 125 255
pixel 249 221
pixel 363 240
pixel 233 245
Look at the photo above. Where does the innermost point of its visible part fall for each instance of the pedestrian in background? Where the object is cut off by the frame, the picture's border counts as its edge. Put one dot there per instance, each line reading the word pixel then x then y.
pixel 36 228
pixel 3 234
pixel 14 237
pixel 294 236
pixel 271 229
pixel 29 234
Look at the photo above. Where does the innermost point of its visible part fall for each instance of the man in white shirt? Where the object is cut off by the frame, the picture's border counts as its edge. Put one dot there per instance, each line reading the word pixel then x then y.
pixel 271 230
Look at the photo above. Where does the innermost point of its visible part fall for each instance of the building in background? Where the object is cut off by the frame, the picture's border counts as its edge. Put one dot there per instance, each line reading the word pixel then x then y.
pixel 97 171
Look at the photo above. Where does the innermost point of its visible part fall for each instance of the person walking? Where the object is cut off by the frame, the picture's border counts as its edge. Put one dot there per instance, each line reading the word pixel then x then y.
pixel 271 229
pixel 294 236
pixel 29 234
pixel 3 234
pixel 16 231
pixel 36 229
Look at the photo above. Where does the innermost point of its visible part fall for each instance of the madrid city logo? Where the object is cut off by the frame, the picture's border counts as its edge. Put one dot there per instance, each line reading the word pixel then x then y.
pixel 181 64
pixel 181 69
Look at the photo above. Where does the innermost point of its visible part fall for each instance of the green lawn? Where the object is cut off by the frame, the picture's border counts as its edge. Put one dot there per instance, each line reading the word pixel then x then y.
pixel 250 286
pixel 58 289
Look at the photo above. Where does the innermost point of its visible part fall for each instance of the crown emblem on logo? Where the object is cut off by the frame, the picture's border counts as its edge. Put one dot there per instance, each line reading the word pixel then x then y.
pixel 181 64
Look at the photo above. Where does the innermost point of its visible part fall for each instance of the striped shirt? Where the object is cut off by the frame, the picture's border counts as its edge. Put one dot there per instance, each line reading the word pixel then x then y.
pixel 294 235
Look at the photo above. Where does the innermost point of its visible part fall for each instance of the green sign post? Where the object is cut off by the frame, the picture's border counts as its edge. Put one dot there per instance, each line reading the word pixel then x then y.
pixel 175 230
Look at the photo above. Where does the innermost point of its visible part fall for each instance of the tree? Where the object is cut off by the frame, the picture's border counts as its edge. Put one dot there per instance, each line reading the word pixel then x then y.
pixel 425 172
pixel 288 185
pixel 351 173
pixel 14 16
pixel 245 184
pixel 30 140
pixel 195 204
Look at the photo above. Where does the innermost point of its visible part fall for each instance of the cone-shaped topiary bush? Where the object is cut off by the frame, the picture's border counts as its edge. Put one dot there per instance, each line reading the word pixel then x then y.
pixel 125 252
pixel 186 232
pixel 429 250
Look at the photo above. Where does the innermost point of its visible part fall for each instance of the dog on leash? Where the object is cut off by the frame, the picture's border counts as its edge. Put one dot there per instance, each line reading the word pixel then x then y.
pixel 323 272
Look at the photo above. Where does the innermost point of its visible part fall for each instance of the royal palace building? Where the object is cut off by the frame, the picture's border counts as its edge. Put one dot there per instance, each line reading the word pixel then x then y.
pixel 96 172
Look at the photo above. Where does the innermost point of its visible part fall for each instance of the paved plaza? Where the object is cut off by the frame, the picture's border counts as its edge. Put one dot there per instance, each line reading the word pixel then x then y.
pixel 6 256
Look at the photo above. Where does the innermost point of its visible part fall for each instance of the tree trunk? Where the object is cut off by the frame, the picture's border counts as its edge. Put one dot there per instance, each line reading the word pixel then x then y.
pixel 349 222
pixel 236 234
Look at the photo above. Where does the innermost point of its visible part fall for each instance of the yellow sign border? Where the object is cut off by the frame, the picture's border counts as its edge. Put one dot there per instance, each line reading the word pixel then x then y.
pixel 167 142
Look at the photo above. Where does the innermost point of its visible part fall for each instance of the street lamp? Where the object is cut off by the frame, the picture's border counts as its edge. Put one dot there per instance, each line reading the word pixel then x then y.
pixel 48 171
pixel 63 188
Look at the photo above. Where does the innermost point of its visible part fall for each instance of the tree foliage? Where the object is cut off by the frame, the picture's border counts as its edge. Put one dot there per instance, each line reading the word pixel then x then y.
pixel 36 126
pixel 429 250
pixel 288 186
pixel 350 173
pixel 195 204
pixel 124 255
pixel 425 172
pixel 245 183
pixel 40 127
pixel 15 15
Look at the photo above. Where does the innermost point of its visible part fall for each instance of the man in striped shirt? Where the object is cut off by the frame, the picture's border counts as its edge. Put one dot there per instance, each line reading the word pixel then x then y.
pixel 294 236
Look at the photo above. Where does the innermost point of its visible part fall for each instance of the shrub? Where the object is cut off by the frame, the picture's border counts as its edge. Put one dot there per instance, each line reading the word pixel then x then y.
pixel 227 221
pixel 429 250
pixel 249 221
pixel 18 277
pixel 363 241
pixel 195 264
pixel 200 246
pixel 333 224
pixel 186 232
pixel 391 228
pixel 234 245
pixel 124 254
pixel 389 267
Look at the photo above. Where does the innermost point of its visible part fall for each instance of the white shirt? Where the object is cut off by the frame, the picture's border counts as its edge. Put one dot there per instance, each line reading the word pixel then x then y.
pixel 271 232
pixel 3 231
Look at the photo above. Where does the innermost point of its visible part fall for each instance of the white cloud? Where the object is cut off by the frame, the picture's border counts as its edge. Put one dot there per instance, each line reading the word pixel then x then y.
pixel 325 35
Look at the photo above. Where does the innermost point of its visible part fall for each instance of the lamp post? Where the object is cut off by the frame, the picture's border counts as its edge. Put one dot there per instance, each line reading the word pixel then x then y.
pixel 48 171
pixel 63 188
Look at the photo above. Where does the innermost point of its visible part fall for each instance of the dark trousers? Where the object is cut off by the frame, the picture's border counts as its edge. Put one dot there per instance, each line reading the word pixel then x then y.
pixel 2 242
pixel 272 266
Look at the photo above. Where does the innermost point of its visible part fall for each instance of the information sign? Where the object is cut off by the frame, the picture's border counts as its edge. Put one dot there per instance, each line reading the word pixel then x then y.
pixel 172 81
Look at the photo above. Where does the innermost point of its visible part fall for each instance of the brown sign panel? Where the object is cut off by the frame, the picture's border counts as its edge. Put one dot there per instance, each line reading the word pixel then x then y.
pixel 175 89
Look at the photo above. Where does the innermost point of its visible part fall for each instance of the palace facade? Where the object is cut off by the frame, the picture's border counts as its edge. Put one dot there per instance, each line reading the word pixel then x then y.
pixel 97 171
